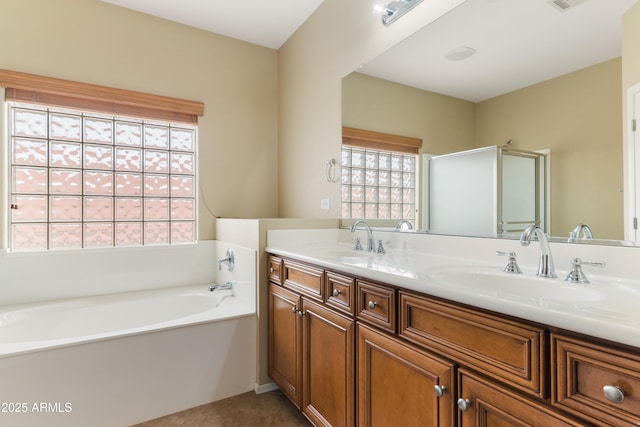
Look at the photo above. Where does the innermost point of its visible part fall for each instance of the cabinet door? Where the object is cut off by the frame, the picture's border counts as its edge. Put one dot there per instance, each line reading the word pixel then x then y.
pixel 328 367
pixel 396 384
pixel 484 403
pixel 285 343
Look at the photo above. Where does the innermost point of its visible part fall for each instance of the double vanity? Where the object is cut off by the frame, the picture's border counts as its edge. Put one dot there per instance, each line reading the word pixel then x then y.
pixel 434 332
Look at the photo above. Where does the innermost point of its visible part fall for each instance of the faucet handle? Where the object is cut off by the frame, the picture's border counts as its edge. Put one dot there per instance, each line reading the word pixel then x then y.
pixel 358 246
pixel 576 275
pixel 228 260
pixel 380 248
pixel 512 266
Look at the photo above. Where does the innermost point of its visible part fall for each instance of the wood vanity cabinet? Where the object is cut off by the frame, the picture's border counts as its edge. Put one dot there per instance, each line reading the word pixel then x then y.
pixel 350 351
pixel 311 347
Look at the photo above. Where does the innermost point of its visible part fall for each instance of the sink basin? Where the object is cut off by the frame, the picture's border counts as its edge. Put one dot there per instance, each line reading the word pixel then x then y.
pixel 519 287
pixel 399 264
pixel 344 253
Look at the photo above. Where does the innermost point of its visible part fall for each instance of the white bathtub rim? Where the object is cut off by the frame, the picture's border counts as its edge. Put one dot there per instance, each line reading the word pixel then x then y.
pixel 229 308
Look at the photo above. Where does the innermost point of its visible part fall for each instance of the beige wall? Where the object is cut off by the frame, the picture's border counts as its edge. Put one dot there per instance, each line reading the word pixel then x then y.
pixel 333 42
pixel 95 42
pixel 445 124
pixel 578 117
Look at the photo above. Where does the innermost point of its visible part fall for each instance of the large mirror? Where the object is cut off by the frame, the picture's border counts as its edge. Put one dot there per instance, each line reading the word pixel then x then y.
pixel 545 75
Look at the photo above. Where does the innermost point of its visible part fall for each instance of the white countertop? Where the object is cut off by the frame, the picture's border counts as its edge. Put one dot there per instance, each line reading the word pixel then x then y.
pixel 605 308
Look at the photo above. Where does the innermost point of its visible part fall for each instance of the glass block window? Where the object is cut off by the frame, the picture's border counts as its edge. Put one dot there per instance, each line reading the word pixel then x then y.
pixel 90 180
pixel 378 184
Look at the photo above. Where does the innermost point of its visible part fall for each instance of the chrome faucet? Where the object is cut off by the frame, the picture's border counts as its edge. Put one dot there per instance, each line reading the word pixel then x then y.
pixel 400 225
pixel 370 245
pixel 545 264
pixel 222 287
pixel 229 260
pixel 580 228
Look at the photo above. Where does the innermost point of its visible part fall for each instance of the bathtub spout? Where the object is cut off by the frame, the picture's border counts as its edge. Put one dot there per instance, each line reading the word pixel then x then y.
pixel 222 287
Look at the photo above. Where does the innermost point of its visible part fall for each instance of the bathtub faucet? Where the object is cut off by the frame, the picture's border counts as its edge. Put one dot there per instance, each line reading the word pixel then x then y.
pixel 228 260
pixel 225 286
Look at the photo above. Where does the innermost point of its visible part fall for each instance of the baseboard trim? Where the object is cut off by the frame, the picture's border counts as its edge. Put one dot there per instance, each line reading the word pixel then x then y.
pixel 264 388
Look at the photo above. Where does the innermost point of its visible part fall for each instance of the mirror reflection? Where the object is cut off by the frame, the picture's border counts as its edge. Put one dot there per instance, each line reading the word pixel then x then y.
pixel 506 188
pixel 542 79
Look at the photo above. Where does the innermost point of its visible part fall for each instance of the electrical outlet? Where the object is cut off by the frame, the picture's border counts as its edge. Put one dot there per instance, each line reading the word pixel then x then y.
pixel 325 204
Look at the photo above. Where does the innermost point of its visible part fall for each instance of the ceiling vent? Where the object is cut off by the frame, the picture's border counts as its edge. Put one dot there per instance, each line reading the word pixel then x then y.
pixel 563 5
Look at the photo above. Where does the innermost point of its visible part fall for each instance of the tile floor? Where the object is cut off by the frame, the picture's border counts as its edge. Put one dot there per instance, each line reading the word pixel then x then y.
pixel 270 409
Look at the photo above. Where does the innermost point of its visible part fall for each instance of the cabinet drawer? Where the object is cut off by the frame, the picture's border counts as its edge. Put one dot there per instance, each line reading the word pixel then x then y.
pixel 582 370
pixel 509 351
pixel 303 278
pixel 341 292
pixel 275 269
pixel 376 304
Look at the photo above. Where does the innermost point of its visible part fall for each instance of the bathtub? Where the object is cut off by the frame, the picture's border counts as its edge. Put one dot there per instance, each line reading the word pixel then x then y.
pixel 49 325
pixel 120 359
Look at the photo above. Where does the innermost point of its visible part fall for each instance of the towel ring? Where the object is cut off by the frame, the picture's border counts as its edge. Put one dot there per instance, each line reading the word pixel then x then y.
pixel 330 170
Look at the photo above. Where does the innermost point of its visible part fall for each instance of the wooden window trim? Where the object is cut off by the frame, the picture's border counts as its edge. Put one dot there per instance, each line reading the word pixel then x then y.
pixel 380 141
pixel 32 88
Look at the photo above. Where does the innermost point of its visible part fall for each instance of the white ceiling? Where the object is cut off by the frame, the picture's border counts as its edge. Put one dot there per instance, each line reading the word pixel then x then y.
pixel 265 23
pixel 518 43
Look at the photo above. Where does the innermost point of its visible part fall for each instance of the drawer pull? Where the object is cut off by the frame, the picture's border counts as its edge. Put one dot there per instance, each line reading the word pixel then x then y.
pixel 336 292
pixel 439 390
pixel 372 304
pixel 464 405
pixel 613 393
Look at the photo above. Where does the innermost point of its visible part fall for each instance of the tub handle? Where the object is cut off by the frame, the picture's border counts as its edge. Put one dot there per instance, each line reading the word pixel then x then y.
pixel 228 260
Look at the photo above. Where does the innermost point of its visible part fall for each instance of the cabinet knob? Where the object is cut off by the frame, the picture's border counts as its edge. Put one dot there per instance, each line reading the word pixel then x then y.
pixel 272 270
pixel 336 292
pixel 372 304
pixel 613 393
pixel 294 309
pixel 464 405
pixel 300 313
pixel 439 390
